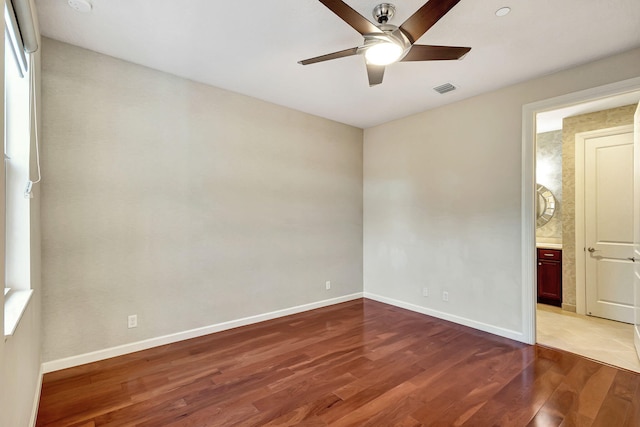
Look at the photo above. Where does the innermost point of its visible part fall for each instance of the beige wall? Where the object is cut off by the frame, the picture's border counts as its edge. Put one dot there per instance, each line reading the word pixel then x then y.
pixel 570 127
pixel 184 204
pixel 442 194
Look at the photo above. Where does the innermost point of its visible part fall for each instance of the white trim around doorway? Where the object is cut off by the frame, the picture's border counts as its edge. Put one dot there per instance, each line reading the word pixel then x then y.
pixel 528 230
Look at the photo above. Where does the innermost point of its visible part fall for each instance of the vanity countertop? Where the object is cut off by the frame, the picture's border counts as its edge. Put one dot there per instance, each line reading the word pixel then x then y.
pixel 543 245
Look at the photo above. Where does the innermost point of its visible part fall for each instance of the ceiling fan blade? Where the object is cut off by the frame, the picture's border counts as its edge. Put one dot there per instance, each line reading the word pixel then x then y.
pixel 375 73
pixel 329 56
pixel 351 17
pixel 420 52
pixel 426 17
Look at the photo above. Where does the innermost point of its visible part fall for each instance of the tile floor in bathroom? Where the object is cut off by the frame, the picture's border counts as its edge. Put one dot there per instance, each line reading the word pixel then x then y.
pixel 599 339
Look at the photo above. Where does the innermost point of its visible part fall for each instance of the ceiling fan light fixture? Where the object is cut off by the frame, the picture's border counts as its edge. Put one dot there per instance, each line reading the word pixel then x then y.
pixel 383 53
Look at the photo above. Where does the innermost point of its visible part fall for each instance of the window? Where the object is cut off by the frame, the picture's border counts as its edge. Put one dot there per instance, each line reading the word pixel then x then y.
pixel 17 143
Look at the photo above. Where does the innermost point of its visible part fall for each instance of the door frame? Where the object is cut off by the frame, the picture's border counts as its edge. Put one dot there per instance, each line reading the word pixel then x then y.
pixel 581 260
pixel 636 228
pixel 527 202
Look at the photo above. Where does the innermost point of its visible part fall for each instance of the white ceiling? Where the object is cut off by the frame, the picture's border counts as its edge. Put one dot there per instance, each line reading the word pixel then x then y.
pixel 252 47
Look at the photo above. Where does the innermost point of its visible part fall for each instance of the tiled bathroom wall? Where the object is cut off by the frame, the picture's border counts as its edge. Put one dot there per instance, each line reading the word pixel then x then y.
pixel 549 174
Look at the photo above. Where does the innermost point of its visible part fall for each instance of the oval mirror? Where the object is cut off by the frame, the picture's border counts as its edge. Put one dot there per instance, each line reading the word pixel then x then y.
pixel 545 205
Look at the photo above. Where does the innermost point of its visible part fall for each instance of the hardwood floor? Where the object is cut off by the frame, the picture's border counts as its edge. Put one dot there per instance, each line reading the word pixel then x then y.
pixel 361 363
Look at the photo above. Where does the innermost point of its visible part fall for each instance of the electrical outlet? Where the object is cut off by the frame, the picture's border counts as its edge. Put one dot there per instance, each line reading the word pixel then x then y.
pixel 132 321
pixel 425 292
pixel 327 285
pixel 445 296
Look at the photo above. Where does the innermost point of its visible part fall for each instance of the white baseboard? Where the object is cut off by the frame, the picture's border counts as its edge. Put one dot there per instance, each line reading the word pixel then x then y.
pixel 36 399
pixel 69 362
pixel 495 330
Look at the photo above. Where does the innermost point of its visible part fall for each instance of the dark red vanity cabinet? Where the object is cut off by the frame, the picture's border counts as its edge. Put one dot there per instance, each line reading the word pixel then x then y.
pixel 550 276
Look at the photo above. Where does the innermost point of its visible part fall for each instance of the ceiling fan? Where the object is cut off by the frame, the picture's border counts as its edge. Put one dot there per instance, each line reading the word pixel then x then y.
pixel 385 44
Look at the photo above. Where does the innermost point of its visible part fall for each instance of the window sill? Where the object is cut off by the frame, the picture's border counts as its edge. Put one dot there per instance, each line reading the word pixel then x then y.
pixel 15 304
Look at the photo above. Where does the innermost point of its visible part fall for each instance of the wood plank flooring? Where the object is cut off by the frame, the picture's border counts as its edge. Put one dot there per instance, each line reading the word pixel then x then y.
pixel 361 363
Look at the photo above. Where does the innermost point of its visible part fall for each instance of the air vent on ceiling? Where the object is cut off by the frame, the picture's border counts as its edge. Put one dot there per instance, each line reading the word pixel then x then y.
pixel 447 87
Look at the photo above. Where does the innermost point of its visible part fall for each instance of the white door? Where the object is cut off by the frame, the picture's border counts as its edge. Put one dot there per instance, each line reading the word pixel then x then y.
pixel 636 233
pixel 608 209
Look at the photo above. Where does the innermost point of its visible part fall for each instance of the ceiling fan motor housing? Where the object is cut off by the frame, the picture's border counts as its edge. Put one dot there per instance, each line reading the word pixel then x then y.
pixel 384 12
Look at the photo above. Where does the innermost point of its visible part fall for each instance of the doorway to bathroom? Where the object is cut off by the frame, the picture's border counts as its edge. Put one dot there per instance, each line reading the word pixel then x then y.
pixel 560 271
